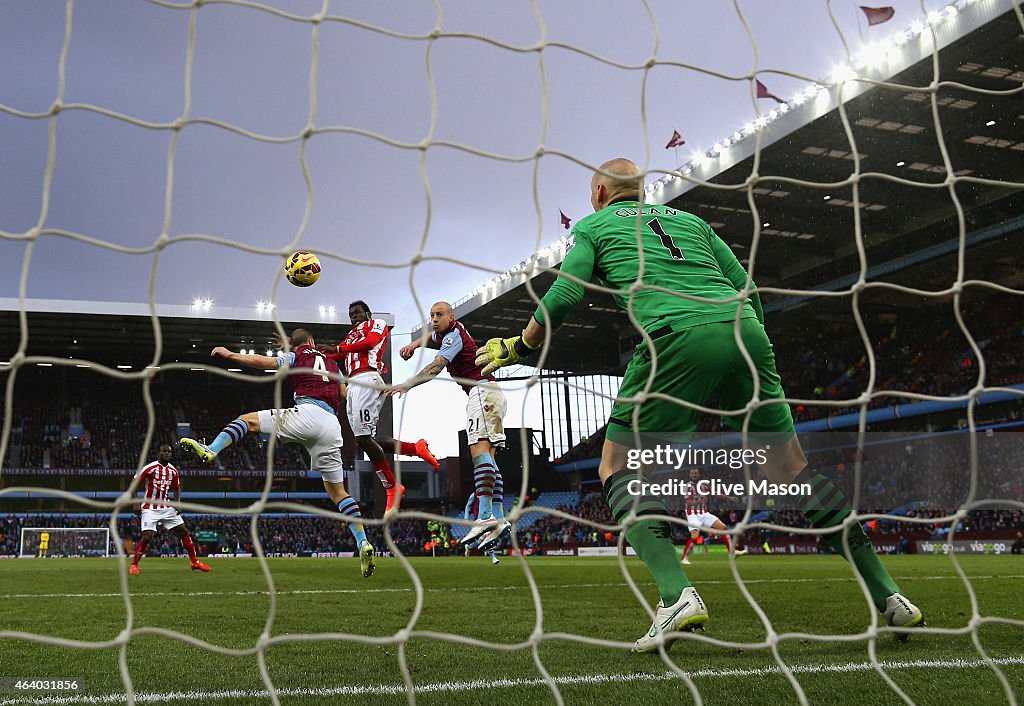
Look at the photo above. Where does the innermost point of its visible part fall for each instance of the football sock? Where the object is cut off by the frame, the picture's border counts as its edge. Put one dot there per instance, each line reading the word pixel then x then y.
pixel 689 546
pixel 186 542
pixel 140 550
pixel 652 540
pixel 826 506
pixel 726 541
pixel 232 434
pixel 387 478
pixel 406 449
pixel 483 483
pixel 498 496
pixel 350 507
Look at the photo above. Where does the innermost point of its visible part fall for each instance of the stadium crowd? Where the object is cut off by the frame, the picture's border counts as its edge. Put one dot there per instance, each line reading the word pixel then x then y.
pixel 98 423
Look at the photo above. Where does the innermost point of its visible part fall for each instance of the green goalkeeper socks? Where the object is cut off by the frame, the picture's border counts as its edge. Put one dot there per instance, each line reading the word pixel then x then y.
pixel 651 539
pixel 826 506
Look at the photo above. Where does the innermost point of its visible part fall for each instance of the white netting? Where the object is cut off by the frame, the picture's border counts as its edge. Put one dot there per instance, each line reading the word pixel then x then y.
pixel 926 34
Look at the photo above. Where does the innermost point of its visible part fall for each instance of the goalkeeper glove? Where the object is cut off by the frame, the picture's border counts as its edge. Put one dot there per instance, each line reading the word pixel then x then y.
pixel 499 352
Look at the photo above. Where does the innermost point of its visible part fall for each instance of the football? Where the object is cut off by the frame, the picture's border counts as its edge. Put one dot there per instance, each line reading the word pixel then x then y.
pixel 302 268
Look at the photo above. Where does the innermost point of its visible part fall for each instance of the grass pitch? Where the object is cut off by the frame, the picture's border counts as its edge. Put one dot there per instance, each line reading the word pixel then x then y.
pixel 80 599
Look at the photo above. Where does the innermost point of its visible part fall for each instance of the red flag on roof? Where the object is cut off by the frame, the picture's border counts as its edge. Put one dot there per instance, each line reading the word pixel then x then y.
pixel 762 92
pixel 564 219
pixel 676 140
pixel 878 15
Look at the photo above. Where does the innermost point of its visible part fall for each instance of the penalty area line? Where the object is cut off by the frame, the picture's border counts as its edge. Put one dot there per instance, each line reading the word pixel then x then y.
pixel 480 684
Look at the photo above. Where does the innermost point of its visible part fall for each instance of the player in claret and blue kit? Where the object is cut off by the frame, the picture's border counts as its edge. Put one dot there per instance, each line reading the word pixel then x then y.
pixel 312 422
pixel 485 412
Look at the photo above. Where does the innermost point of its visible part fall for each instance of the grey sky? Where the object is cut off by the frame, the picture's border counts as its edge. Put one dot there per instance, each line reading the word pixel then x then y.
pixel 252 70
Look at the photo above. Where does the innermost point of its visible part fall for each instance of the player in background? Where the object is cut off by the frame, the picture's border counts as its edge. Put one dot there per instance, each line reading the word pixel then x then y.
pixel 312 422
pixel 361 358
pixel 698 518
pixel 697 357
pixel 157 480
pixel 44 544
pixel 485 410
pixel 470 513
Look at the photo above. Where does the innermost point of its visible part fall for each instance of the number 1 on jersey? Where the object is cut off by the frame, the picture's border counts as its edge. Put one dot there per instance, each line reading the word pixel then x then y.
pixel 655 225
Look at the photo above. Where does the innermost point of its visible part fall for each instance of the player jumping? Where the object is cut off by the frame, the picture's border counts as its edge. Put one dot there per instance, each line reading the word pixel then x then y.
pixel 627 243
pixel 698 518
pixel 159 478
pixel 312 422
pixel 363 365
pixel 485 410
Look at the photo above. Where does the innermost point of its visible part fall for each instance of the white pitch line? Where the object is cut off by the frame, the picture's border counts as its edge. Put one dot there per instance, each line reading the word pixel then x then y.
pixel 480 684
pixel 474 589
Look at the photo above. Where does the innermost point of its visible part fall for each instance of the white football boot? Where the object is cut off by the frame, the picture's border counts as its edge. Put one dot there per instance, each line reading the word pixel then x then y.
pixel 491 539
pixel 479 529
pixel 901 613
pixel 686 614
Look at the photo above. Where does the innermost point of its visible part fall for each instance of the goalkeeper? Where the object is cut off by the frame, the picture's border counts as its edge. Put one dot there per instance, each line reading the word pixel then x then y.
pixel 693 355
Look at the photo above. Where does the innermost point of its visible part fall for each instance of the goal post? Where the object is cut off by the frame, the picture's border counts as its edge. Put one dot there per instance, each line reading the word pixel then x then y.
pixel 64 542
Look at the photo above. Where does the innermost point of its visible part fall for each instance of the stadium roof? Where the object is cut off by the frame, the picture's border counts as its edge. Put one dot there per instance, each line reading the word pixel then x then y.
pixel 116 333
pixel 807 199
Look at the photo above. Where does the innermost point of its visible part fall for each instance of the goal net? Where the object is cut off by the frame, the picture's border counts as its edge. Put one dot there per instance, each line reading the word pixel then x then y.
pixel 170 149
pixel 64 542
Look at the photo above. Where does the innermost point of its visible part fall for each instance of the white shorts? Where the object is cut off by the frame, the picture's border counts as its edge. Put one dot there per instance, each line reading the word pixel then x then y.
pixel 700 521
pixel 167 516
pixel 485 410
pixel 363 403
pixel 316 429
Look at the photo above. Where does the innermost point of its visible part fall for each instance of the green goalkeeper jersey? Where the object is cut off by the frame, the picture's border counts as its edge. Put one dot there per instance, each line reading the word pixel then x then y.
pixel 681 254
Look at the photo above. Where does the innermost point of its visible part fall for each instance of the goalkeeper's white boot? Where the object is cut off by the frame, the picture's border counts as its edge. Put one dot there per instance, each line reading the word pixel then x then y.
pixel 493 538
pixel 901 613
pixel 201 450
pixel 685 615
pixel 479 528
pixel 366 554
pixel 741 552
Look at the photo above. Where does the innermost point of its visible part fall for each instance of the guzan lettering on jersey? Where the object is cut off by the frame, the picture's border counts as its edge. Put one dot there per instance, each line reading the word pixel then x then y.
pixel 645 210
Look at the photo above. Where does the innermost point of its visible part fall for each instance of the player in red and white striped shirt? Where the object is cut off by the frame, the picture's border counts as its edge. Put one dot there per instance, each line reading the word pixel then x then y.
pixel 158 479
pixel 698 517
pixel 361 355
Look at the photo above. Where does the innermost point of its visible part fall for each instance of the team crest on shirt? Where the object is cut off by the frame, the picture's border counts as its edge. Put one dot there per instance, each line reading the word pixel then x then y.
pixel 487 408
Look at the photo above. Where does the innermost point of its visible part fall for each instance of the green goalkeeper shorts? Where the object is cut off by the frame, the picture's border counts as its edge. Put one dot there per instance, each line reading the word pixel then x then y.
pixel 695 364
